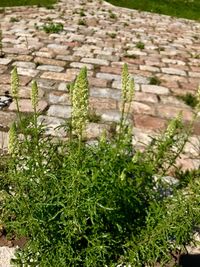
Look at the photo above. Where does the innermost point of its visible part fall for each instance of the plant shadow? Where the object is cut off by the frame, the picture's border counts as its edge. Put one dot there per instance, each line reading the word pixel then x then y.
pixel 189 260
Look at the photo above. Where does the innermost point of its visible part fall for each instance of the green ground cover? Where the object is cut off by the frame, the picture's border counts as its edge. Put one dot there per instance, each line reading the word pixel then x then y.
pixel 6 3
pixel 189 9
pixel 100 204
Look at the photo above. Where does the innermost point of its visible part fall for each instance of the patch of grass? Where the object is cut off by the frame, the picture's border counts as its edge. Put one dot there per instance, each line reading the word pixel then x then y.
pixel 154 80
pixel 189 99
pixel 8 3
pixel 82 22
pixel 52 27
pixel 140 45
pixel 112 15
pixel 13 19
pixel 112 34
pixel 82 13
pixel 177 8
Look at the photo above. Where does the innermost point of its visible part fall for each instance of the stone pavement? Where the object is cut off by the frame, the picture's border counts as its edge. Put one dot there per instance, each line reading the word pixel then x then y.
pixel 102 37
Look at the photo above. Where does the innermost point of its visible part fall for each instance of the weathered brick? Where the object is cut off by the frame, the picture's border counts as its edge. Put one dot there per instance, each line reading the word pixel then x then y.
pixel 50 68
pixel 149 68
pixel 173 71
pixel 57 76
pixel 145 97
pixel 102 103
pixel 27 72
pixel 141 108
pixel 105 93
pixel 3 69
pixel 26 106
pixel 194 74
pixel 6 118
pixel 110 115
pixel 80 65
pixel 24 64
pixel 3 140
pixel 169 112
pixel 25 92
pixel 97 82
pixel 59 97
pixel 59 111
pixel 191 147
pixel 155 89
pixel 108 76
pixel 171 100
pixel 95 61
pixel 149 122
pixel 50 61
pixel 113 70
pixel 5 61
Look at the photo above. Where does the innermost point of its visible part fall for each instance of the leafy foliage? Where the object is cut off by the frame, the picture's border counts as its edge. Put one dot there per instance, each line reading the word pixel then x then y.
pixel 95 205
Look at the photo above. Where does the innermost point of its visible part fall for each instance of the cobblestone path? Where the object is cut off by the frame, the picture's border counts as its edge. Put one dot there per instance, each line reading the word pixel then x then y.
pixel 101 37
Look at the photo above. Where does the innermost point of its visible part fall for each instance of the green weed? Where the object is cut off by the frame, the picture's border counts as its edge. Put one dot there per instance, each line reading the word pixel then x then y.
pixel 154 80
pixel 190 99
pixel 52 27
pixel 13 19
pixel 140 45
pixel 82 22
pixel 94 205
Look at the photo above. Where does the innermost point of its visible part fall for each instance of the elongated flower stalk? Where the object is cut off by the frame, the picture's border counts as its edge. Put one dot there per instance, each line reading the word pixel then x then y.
pixel 80 103
pixel 34 100
pixel 15 89
pixel 14 83
pixel 172 126
pixel 198 100
pixel 1 45
pixel 128 90
pixel 34 96
pixel 125 82
pixel 12 139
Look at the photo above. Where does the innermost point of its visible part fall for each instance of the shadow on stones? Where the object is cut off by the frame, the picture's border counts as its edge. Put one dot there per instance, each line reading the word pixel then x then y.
pixel 189 260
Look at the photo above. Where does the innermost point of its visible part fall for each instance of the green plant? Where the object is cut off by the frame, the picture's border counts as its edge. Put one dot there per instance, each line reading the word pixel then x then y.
pixel 95 205
pixel 82 13
pixel 154 80
pixel 40 3
pixel 140 45
pixel 112 15
pixel 82 22
pixel 125 24
pixel 178 8
pixel 52 27
pixel 190 99
pixel 13 19
pixel 112 34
